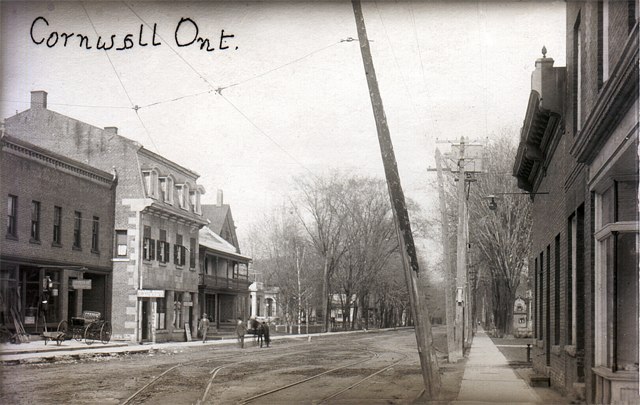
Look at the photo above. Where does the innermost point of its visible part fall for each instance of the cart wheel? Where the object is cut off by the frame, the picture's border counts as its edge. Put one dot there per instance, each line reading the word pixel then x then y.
pixel 63 326
pixel 105 333
pixel 78 332
pixel 89 334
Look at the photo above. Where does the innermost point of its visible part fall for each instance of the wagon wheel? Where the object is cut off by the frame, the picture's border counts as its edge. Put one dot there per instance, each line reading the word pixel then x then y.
pixel 90 333
pixel 78 332
pixel 63 326
pixel 105 333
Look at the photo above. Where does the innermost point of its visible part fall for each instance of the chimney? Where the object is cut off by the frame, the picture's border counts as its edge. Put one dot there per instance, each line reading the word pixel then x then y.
pixel 39 99
pixel 111 130
pixel 220 199
pixel 548 81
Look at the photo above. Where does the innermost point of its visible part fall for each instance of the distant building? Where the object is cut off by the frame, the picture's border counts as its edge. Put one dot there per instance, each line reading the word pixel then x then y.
pixel 579 144
pixel 55 260
pixel 157 218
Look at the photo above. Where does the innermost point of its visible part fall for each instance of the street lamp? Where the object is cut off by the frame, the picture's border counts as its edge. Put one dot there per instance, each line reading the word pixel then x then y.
pixel 493 205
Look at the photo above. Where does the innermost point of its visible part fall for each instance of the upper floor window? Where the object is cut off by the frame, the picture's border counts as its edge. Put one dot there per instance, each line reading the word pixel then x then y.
pixel 95 235
pixel 163 247
pixel 577 76
pixel 183 196
pixel 77 230
pixel 148 245
pixel 603 42
pixel 121 243
pixel 150 180
pixel 35 221
pixel 12 216
pixel 192 253
pixel 179 252
pixel 57 225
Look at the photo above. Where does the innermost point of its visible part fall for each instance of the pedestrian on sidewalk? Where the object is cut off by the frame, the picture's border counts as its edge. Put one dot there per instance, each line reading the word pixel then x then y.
pixel 203 327
pixel 240 331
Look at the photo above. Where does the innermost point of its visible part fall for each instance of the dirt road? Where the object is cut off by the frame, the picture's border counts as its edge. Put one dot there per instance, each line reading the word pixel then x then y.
pixel 374 367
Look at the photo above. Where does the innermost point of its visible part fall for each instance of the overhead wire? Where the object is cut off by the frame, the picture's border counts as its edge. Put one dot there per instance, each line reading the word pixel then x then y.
pixel 135 107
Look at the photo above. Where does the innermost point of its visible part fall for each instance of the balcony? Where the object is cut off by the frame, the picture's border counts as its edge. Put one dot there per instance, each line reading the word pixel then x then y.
pixel 223 283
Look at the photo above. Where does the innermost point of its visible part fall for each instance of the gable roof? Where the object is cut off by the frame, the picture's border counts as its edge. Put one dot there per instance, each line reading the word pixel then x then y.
pixel 221 222
pixel 214 242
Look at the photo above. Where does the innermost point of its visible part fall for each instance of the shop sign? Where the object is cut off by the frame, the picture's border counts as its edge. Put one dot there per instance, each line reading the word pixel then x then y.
pixel 81 284
pixel 151 293
pixel 187 304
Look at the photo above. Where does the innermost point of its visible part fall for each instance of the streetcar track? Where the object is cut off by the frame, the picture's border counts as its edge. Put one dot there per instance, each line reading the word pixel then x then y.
pixel 155 380
pixel 304 380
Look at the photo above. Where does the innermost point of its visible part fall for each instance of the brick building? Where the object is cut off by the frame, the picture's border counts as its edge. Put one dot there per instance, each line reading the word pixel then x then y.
pixel 579 143
pixel 57 243
pixel 157 218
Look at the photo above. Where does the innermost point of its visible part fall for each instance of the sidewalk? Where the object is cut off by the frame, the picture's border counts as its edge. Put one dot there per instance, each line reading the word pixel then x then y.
pixel 37 352
pixel 488 378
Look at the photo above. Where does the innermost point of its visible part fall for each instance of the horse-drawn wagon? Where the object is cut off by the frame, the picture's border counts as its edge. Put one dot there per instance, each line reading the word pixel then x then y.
pixel 90 327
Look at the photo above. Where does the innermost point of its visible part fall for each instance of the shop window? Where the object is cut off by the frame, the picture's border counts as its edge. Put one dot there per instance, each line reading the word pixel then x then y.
pixel 57 226
pixel 177 310
pixel 161 308
pixel 148 245
pixel 35 221
pixel 121 243
pixel 95 235
pixel 12 216
pixel 77 230
pixel 616 276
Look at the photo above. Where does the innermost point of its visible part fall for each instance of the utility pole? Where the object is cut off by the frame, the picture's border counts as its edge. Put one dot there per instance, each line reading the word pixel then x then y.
pixel 461 262
pixel 428 361
pixel 448 269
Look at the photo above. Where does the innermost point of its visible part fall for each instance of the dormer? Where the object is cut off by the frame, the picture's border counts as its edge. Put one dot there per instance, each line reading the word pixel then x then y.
pixel 150 181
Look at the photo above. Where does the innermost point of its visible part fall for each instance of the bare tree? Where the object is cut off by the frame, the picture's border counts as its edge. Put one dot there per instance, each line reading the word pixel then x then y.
pixel 502 235
pixel 322 216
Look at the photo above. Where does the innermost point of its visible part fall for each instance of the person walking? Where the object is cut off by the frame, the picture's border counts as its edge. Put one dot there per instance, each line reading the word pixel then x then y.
pixel 265 331
pixel 240 331
pixel 203 327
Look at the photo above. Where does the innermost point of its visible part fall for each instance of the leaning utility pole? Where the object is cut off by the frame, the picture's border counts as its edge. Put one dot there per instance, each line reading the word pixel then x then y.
pixel 449 285
pixel 428 361
pixel 461 262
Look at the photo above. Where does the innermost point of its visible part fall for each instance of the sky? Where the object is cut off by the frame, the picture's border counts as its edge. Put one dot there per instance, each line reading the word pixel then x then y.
pixel 283 93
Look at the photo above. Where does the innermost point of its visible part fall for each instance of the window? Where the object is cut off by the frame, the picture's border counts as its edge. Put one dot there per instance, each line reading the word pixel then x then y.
pixel 35 221
pixel 95 235
pixel 179 252
pixel 575 279
pixel 12 216
pixel 181 200
pixel 163 247
pixel 603 42
pixel 616 276
pixel 57 226
pixel 536 300
pixel 192 253
pixel 192 200
pixel 150 180
pixel 163 189
pixel 148 245
pixel 556 292
pixel 77 230
pixel 577 76
pixel 121 243
pixel 161 309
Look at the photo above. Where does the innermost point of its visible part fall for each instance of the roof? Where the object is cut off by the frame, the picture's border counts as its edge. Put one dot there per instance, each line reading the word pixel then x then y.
pixel 212 241
pixel 217 214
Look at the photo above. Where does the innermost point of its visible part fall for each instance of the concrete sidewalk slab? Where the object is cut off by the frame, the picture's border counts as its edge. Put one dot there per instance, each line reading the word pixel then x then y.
pixel 488 378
